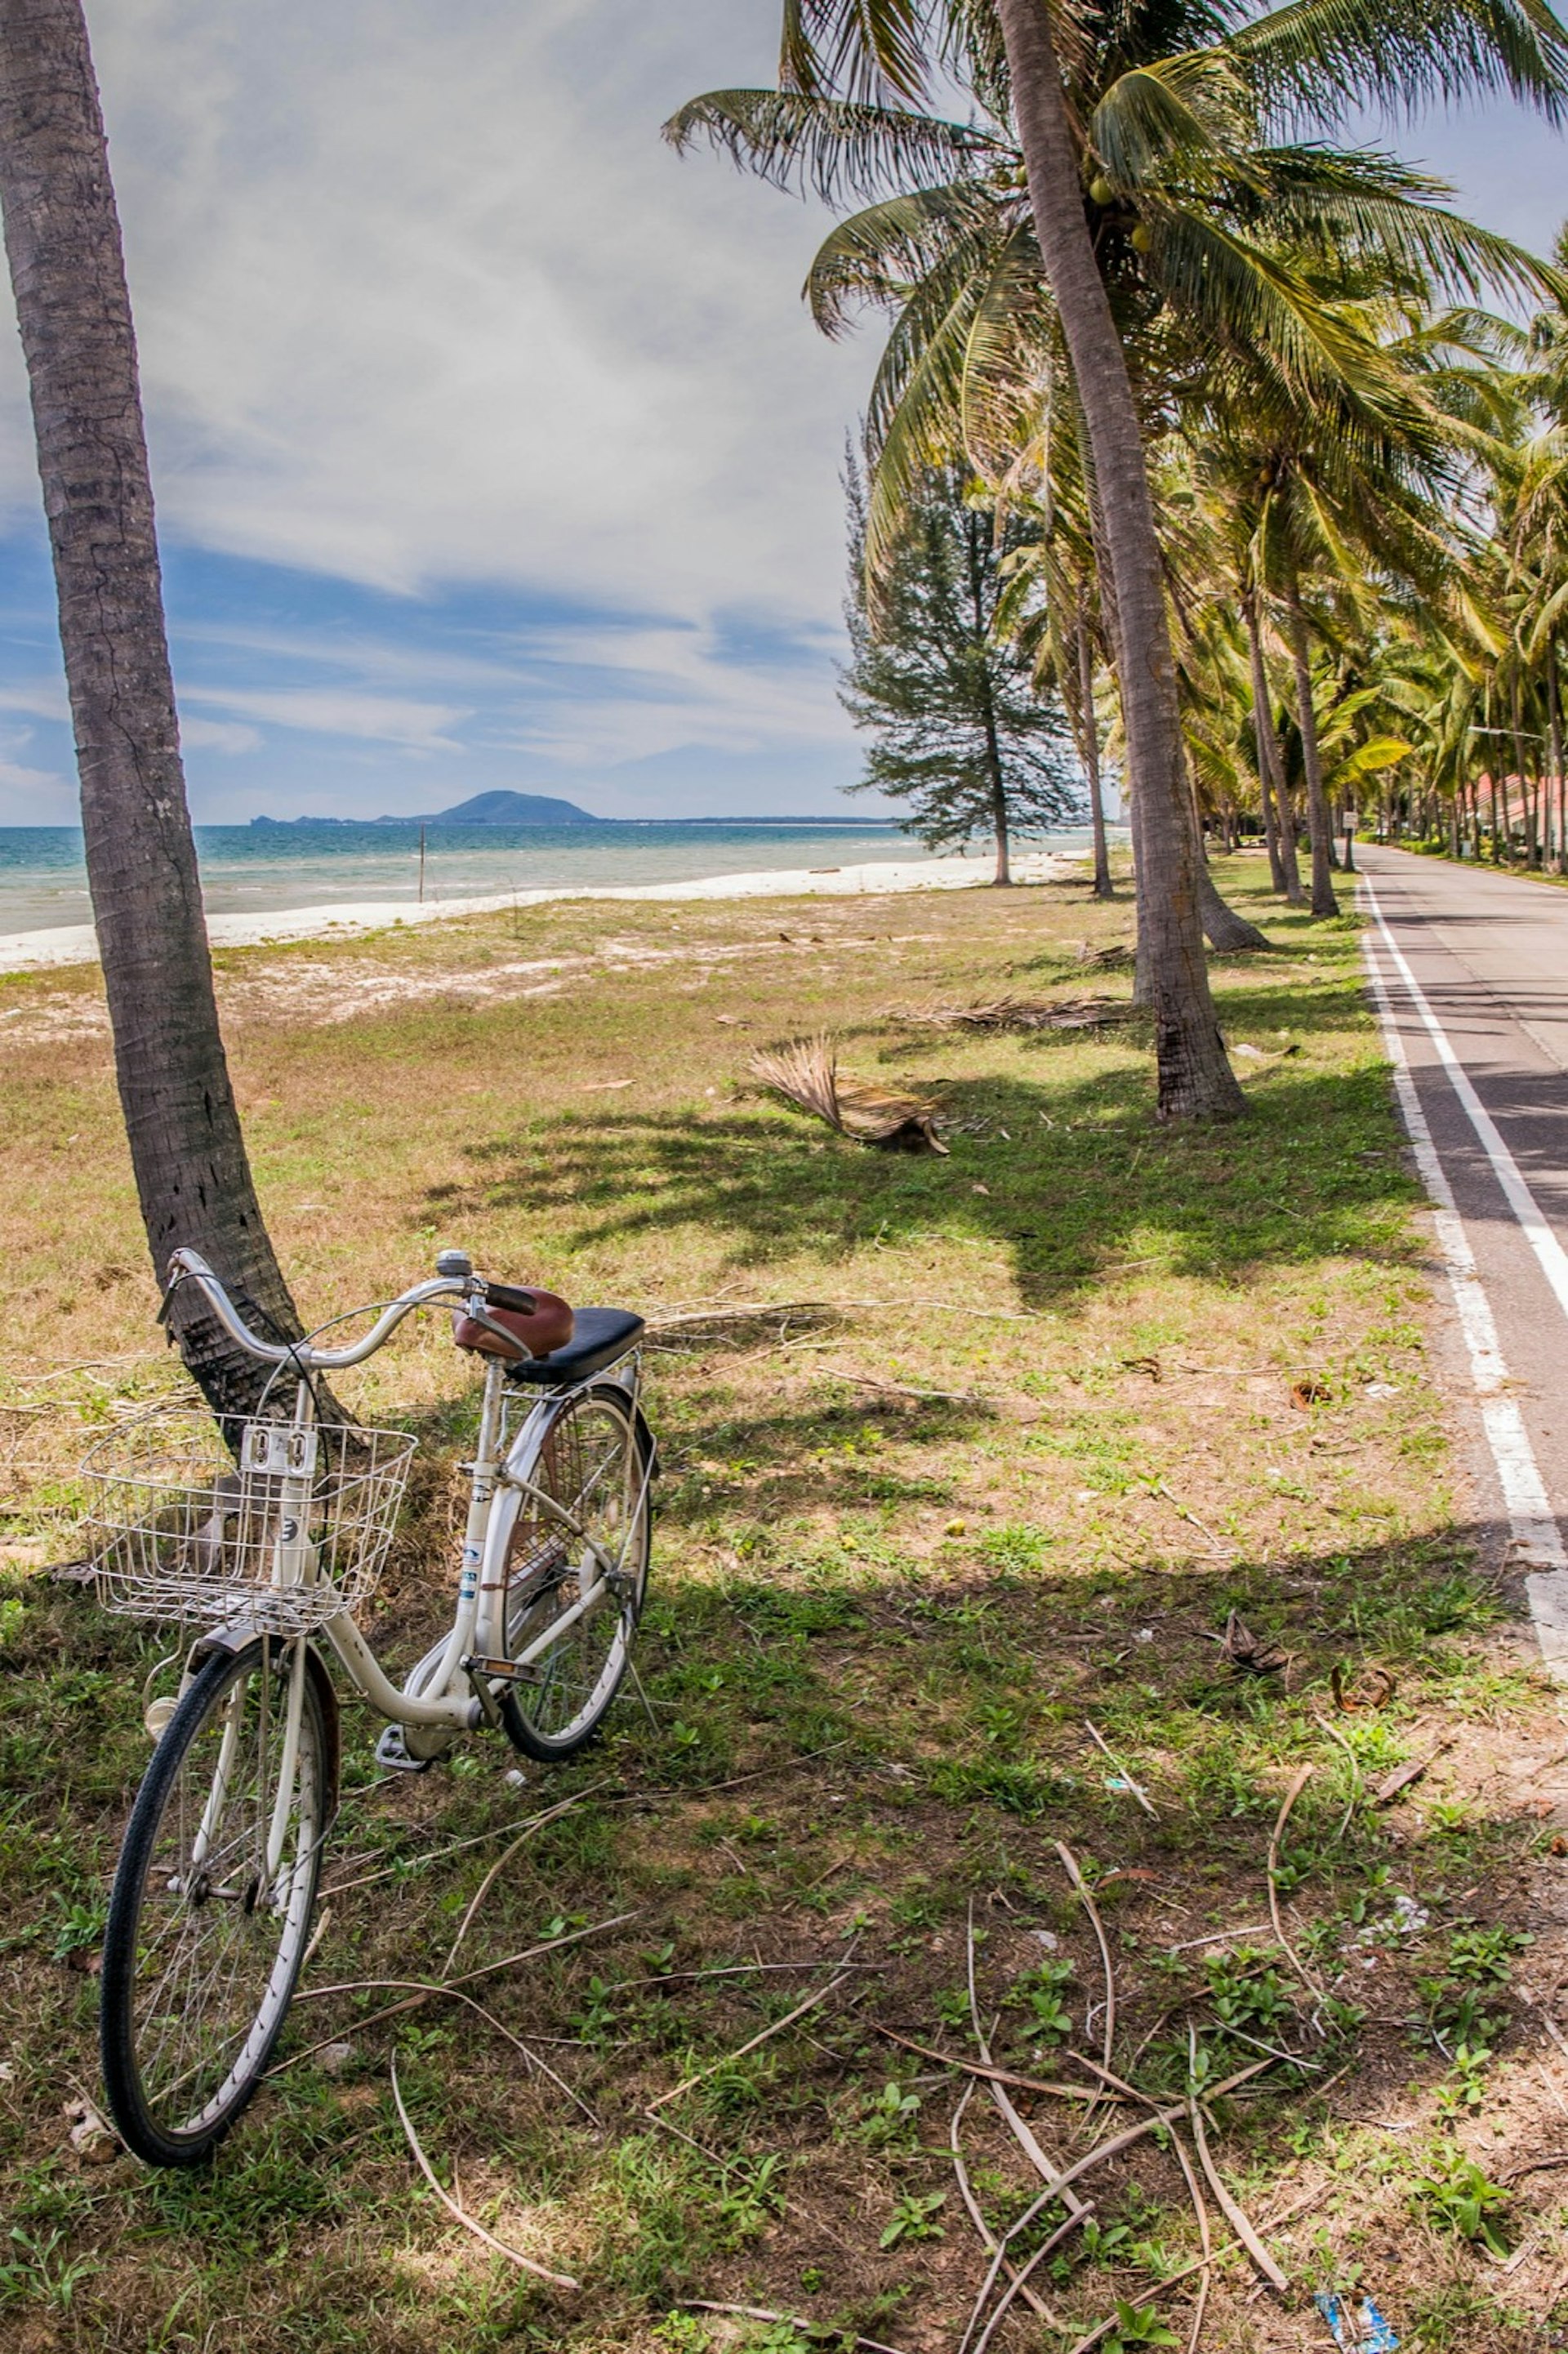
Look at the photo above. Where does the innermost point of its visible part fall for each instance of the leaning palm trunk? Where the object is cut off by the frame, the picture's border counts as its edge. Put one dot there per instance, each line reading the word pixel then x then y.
pixel 1271 767
pixel 62 238
pixel 1089 746
pixel 1227 932
pixel 1319 822
pixel 1194 1078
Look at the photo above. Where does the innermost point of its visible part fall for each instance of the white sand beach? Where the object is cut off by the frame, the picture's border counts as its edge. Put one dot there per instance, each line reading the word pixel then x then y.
pixel 75 944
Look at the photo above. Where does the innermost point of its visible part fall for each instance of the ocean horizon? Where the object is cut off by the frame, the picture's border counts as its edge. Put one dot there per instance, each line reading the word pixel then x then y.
pixel 261 869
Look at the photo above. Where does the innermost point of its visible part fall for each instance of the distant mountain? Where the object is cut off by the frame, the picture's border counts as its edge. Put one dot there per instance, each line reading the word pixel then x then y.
pixel 485 808
pixel 512 809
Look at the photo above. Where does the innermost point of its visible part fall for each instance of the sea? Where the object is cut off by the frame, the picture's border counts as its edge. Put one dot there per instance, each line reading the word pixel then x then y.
pixel 255 870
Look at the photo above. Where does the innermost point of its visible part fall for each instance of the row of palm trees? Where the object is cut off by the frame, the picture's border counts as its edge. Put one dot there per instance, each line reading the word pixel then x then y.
pixel 1298 499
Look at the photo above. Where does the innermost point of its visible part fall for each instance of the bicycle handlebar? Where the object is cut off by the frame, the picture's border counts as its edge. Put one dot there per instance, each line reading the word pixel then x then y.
pixel 190 1264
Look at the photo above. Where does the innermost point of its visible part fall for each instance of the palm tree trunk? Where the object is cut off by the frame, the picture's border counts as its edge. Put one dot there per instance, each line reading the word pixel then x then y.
pixel 1264 793
pixel 1089 745
pixel 62 238
pixel 1271 771
pixel 1194 1078
pixel 1319 822
pixel 1554 724
pixel 996 774
pixel 1227 932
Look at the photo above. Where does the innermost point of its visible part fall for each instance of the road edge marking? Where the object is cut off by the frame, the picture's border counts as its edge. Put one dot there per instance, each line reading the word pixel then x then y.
pixel 1527 1210
pixel 1536 1541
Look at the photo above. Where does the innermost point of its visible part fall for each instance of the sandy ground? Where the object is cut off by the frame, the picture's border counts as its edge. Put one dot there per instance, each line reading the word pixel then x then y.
pixel 77 943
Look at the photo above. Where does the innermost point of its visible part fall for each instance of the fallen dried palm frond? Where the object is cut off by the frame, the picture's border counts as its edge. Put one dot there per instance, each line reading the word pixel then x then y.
pixel 806 1073
pixel 1026 1013
pixel 1112 959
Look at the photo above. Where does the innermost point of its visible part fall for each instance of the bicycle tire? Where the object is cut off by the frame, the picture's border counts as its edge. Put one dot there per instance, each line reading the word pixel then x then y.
pixel 593 1459
pixel 193 2000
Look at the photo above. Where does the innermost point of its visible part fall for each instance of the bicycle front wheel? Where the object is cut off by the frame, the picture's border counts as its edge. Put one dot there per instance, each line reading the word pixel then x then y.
pixel 211 1910
pixel 580 1534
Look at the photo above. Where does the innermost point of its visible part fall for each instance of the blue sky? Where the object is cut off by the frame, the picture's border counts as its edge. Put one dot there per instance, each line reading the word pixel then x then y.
pixel 492 443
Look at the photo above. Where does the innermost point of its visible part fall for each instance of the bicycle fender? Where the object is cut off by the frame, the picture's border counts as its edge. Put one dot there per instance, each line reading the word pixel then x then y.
pixel 233 1636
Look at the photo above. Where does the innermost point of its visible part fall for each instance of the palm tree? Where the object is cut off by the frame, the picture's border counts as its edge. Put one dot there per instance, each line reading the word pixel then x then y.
pixel 1139 136
pixel 62 238
pixel 880 44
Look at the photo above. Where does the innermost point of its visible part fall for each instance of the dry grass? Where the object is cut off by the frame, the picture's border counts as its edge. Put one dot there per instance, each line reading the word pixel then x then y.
pixel 1033 1435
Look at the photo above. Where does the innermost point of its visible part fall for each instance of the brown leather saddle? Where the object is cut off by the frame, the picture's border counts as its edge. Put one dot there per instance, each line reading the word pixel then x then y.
pixel 542 1338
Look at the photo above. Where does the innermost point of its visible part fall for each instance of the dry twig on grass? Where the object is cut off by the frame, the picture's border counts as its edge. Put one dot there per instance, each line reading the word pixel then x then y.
pixel 988 2071
pixel 762 2313
pixel 752 1311
pixel 551 1814
pixel 439 1854
pixel 434 1989
pixel 987 2238
pixel 1070 1865
pixel 1392 1784
pixel 1234 2214
pixel 1358 1780
pixel 778 2027
pixel 461 2215
pixel 1099 2155
pixel 806 1074
pixel 1296 1964
pixel 1103 2330
pixel 902 1389
pixel 1019 2282
pixel 1137 1788
pixel 529 2057
pixel 1049 2168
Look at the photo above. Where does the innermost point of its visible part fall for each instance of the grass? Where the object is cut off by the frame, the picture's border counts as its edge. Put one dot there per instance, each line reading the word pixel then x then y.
pixel 1066 1400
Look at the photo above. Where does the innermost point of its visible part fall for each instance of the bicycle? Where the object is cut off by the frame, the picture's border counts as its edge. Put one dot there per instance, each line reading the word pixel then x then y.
pixel 269 1535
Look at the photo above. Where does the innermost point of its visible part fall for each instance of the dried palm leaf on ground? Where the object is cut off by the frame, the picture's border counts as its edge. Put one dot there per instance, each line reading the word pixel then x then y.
pixel 1027 1013
pixel 1112 959
pixel 806 1073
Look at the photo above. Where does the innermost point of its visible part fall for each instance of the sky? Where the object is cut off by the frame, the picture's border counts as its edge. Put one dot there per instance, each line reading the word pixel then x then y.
pixel 492 443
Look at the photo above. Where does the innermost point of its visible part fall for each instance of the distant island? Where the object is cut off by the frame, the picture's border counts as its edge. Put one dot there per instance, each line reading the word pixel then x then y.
pixel 539 809
pixel 485 808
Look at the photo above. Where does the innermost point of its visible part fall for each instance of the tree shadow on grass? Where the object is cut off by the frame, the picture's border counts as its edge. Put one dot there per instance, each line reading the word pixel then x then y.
pixel 1068 1176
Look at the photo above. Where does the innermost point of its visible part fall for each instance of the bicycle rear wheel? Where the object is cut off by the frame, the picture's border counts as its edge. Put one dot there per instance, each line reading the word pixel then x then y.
pixel 588 1509
pixel 207 1936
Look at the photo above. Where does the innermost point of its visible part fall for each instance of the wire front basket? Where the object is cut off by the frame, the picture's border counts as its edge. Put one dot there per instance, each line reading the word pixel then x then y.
pixel 284 1529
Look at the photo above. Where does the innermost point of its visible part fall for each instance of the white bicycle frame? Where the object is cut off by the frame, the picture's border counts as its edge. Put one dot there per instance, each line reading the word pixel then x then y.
pixel 449 1691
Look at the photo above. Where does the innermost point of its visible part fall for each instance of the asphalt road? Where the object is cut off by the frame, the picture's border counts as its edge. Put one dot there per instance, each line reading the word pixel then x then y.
pixel 1473 967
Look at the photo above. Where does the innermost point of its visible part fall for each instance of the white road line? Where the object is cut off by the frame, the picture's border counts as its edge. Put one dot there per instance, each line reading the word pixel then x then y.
pixel 1537 1542
pixel 1537 1232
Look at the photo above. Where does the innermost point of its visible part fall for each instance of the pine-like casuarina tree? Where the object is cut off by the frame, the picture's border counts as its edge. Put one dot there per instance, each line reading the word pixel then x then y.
pixel 961 734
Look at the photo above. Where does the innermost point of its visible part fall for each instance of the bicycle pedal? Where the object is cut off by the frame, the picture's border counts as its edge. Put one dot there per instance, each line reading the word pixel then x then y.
pixel 391 1754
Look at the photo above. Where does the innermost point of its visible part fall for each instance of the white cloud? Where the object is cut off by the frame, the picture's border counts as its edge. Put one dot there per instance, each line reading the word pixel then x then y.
pixel 217 735
pixel 31 796
pixel 39 699
pixel 422 295
pixel 326 711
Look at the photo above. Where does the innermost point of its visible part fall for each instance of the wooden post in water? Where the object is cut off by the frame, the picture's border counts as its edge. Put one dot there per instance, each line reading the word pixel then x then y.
pixel 422 865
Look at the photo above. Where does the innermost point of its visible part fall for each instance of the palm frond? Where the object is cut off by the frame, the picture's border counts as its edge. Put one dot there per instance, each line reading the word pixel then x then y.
pixel 902 250
pixel 1190 113
pixel 1325 58
pixel 854 49
pixel 832 146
